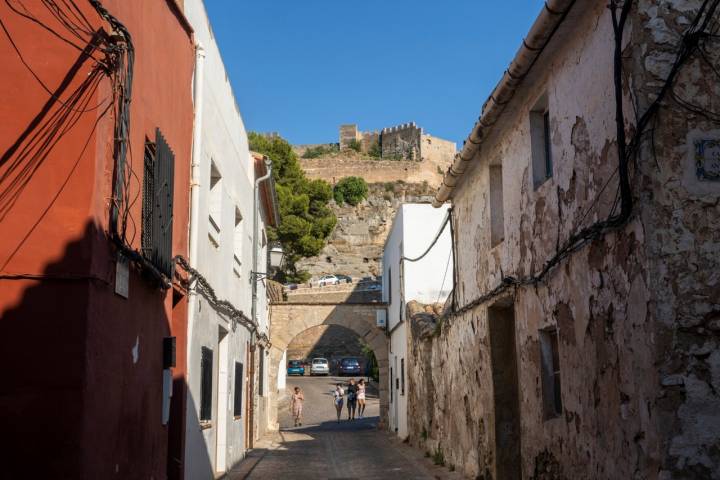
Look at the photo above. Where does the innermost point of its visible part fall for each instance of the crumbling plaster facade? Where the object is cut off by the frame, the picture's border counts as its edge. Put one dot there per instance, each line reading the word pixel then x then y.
pixel 637 311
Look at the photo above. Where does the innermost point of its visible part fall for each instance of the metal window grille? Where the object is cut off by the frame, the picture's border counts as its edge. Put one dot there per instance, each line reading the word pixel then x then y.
pixel 206 368
pixel 157 204
pixel 237 403
pixel 147 198
pixel 402 376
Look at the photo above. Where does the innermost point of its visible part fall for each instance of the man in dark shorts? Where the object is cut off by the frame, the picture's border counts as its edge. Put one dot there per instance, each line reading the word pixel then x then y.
pixel 351 399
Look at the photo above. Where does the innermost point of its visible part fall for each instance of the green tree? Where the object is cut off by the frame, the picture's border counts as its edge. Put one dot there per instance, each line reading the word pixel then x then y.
pixel 305 219
pixel 351 190
pixel 354 144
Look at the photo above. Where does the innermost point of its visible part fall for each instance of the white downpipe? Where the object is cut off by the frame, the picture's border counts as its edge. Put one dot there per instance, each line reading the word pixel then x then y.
pixel 256 243
pixel 195 181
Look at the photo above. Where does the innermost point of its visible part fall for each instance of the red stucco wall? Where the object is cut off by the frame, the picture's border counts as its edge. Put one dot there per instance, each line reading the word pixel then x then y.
pixel 66 338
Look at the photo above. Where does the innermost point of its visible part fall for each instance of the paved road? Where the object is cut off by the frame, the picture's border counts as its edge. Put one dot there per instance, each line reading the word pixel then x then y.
pixel 325 449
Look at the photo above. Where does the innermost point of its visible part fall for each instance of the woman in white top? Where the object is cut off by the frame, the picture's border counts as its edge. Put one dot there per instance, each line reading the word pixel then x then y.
pixel 338 400
pixel 361 397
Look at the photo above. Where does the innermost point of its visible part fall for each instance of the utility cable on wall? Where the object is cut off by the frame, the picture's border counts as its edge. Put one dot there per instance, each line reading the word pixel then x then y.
pixel 445 221
pixel 700 30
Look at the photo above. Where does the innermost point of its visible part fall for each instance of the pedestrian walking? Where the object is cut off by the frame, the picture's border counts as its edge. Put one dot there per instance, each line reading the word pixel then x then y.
pixel 338 400
pixel 361 397
pixel 351 399
pixel 296 405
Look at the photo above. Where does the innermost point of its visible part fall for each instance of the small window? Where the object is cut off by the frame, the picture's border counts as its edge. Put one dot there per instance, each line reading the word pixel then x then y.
pixel 390 287
pixel 237 244
pixel 237 403
pixel 215 207
pixel 391 386
pixel 402 376
pixel 157 203
pixel 550 373
pixel 540 143
pixel 497 217
pixel 206 384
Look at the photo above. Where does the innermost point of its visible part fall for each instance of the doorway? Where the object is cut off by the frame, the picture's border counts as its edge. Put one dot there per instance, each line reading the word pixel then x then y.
pixel 222 401
pixel 501 329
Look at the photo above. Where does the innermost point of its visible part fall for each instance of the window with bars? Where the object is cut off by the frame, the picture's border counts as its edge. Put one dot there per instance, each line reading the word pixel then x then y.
pixel 206 384
pixel 550 373
pixel 402 376
pixel 237 401
pixel 157 203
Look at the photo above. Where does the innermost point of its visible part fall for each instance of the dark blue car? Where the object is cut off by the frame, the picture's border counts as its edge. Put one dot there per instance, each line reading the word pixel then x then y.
pixel 350 366
pixel 295 367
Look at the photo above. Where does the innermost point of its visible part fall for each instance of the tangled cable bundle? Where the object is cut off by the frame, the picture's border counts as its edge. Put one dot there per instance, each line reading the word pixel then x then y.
pixel 223 307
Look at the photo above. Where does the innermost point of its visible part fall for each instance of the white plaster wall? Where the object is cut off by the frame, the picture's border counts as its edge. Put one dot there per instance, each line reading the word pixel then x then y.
pixel 224 142
pixel 423 280
pixel 282 373
pixel 391 271
pixel 398 407
pixel 413 230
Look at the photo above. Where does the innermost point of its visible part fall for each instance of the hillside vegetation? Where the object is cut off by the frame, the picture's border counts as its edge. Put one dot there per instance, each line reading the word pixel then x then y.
pixel 306 220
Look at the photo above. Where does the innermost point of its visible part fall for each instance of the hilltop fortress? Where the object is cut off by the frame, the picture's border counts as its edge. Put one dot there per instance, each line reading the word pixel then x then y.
pixel 400 153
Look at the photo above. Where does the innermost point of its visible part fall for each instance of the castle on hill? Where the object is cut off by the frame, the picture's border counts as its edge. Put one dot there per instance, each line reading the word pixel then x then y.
pixel 401 142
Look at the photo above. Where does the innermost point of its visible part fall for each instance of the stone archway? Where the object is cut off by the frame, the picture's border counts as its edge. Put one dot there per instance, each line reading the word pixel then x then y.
pixel 288 320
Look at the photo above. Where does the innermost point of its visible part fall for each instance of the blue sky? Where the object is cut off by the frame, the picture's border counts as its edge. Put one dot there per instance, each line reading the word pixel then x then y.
pixel 302 67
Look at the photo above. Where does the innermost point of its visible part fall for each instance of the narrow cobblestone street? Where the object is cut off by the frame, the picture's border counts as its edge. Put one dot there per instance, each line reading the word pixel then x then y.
pixel 324 449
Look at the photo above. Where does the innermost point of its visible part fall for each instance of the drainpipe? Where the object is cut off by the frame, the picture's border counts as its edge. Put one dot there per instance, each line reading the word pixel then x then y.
pixel 195 179
pixel 254 276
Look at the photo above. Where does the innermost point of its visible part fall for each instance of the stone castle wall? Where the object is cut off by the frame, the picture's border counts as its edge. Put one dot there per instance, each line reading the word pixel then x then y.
pixel 401 141
pixel 327 341
pixel 333 169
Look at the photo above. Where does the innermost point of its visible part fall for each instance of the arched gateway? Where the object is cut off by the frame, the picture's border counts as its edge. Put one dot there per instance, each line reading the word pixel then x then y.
pixel 287 320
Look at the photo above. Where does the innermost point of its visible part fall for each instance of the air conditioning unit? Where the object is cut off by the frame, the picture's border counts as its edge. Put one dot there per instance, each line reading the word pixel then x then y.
pixel 381 318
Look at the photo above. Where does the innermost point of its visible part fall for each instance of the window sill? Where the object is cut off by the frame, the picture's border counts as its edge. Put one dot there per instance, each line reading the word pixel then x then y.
pixel 539 185
pixel 205 425
pixel 237 417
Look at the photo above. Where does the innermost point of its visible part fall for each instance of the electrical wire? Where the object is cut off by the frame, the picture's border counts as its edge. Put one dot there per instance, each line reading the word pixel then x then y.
pixel 690 43
pixel 445 221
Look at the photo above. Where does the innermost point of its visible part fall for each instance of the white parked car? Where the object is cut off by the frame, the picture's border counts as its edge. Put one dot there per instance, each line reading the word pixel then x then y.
pixel 319 366
pixel 328 280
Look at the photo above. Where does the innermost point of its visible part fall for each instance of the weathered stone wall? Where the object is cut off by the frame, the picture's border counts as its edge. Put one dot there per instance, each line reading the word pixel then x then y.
pixel 438 153
pixel 368 140
pixel 348 133
pixel 355 246
pixel 681 219
pixel 343 293
pixel 347 164
pixel 401 141
pixel 637 311
pixel 327 341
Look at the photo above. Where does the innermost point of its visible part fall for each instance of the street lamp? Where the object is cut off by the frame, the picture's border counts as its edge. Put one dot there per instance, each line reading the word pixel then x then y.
pixel 277 255
pixel 277 258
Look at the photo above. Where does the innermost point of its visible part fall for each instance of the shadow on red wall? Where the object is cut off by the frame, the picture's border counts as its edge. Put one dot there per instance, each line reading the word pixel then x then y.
pixel 81 392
